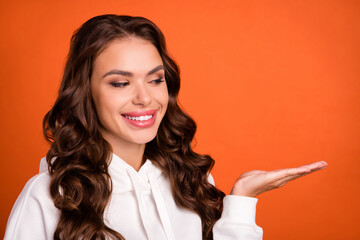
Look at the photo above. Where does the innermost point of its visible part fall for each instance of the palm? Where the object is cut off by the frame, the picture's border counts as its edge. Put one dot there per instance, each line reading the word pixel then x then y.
pixel 255 182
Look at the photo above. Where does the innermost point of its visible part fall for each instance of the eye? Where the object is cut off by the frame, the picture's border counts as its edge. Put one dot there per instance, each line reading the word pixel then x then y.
pixel 157 81
pixel 119 84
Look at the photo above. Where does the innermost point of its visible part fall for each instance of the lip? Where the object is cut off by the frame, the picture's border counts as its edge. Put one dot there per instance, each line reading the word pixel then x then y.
pixel 140 124
pixel 140 113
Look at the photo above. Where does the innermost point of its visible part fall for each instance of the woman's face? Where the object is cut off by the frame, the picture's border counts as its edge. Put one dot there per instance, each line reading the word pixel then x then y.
pixel 129 91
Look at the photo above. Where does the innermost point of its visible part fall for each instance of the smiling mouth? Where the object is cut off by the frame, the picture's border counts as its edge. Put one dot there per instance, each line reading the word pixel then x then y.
pixel 139 118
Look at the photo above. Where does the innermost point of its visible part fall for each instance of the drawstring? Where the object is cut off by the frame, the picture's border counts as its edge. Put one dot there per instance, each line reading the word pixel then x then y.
pixel 141 204
pixel 159 202
pixel 160 206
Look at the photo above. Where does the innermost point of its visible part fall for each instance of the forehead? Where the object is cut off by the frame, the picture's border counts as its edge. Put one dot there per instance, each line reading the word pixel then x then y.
pixel 131 54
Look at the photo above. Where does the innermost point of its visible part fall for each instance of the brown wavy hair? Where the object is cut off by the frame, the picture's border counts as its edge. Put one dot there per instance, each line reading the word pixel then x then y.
pixel 79 156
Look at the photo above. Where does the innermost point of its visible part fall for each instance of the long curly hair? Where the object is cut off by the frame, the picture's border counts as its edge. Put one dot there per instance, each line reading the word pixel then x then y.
pixel 79 156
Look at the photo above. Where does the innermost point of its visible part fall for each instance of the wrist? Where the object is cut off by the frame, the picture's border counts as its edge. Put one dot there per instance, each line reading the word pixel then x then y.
pixel 242 192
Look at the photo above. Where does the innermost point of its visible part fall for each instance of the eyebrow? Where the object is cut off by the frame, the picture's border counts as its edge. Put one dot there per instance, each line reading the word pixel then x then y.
pixel 129 74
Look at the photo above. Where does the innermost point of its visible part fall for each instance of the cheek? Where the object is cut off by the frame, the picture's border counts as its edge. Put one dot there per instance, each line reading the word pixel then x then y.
pixel 165 96
pixel 96 102
pixel 163 99
pixel 95 95
pixel 167 101
pixel 110 106
pixel 160 95
pixel 104 105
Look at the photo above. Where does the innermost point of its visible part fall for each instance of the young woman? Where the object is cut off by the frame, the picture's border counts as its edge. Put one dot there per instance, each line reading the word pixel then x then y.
pixel 120 165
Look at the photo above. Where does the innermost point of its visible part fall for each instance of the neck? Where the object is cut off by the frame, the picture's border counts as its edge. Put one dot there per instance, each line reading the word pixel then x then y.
pixel 131 153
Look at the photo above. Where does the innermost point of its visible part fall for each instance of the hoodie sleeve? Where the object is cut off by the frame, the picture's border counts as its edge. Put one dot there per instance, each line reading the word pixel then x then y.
pixel 237 220
pixel 33 215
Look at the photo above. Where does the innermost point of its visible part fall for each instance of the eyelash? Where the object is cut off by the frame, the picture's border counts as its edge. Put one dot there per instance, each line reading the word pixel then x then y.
pixel 119 84
pixel 124 84
pixel 157 81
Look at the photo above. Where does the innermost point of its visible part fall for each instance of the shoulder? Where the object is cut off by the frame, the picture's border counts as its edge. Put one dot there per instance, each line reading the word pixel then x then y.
pixel 32 209
pixel 37 188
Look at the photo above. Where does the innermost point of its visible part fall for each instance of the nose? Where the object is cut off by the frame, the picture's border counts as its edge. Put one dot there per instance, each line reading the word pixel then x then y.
pixel 142 95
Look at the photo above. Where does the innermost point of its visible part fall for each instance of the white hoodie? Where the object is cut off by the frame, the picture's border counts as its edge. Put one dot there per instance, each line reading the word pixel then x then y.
pixel 141 207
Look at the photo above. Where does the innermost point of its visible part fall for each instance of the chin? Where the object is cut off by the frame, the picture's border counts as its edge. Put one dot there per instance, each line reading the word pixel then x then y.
pixel 143 139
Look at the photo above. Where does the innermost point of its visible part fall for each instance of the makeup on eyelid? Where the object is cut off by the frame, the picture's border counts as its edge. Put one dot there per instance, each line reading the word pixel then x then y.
pixel 122 84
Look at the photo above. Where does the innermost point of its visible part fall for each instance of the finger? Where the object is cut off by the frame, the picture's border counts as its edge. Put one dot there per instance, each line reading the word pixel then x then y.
pixel 283 181
pixel 287 179
pixel 288 172
pixel 319 166
pixel 282 173
pixel 315 165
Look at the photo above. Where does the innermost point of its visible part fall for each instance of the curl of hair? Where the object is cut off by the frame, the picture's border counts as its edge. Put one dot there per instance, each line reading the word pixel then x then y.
pixel 79 156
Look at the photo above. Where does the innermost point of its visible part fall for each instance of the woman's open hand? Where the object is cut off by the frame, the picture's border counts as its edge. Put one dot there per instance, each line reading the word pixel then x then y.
pixel 253 183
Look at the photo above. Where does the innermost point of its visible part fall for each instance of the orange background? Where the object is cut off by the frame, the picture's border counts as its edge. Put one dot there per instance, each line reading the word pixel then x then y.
pixel 271 84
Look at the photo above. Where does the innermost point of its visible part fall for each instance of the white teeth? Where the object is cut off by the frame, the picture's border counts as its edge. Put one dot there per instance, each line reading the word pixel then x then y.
pixel 141 118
